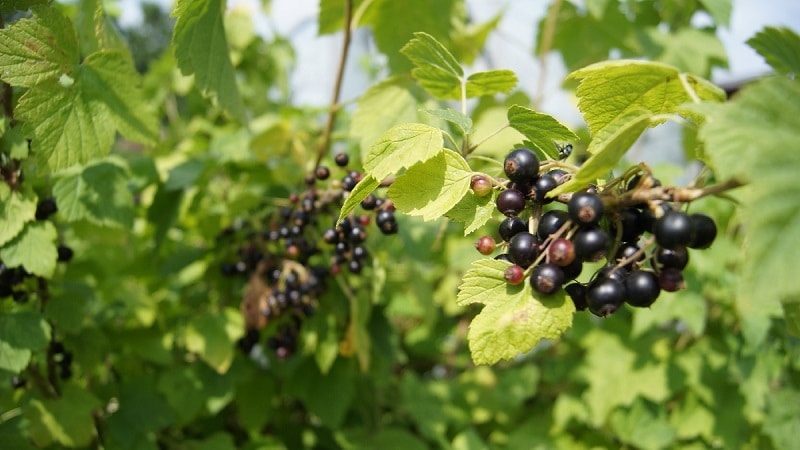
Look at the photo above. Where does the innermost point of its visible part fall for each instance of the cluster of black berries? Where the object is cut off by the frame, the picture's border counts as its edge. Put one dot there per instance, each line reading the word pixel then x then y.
pixel 551 247
pixel 289 254
pixel 12 279
pixel 62 358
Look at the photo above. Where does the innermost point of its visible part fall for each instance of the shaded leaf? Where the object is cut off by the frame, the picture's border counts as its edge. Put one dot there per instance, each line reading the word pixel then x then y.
pixel 99 194
pixel 16 209
pixel 212 336
pixel 780 47
pixel 458 119
pixel 66 420
pixel 435 68
pixel 401 147
pixel 21 333
pixel 491 82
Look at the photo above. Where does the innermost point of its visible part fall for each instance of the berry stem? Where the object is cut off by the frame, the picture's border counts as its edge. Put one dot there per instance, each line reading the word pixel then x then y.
pixel 472 147
pixel 634 256
pixel 544 245
pixel 337 87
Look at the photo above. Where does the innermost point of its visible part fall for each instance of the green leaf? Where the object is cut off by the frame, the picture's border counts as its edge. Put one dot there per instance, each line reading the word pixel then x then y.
pixel 212 336
pixel 513 320
pixel 66 420
pixel 430 188
pixel 720 10
pixel 608 152
pixel 38 49
pixel 34 248
pixel 688 49
pixel 21 333
pixel 435 68
pixel 539 128
pixel 401 147
pixel 201 49
pixel 98 194
pixel 391 102
pixel 360 192
pixel 16 209
pixel 142 411
pixel 491 82
pixel 326 396
pixel 780 47
pixel 643 426
pixel 767 112
pixel 473 211
pixel 611 90
pixel 20 5
pixel 458 119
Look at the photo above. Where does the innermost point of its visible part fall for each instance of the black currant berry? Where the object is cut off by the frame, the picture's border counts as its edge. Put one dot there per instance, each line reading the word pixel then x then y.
pixel 360 252
pixel 591 244
pixel 330 236
pixel 627 250
pixel 674 258
pixel 585 208
pixel 561 252
pixel 355 266
pixel 386 222
pixel 481 185
pixel 369 203
pixel 605 296
pixel 612 272
pixel 572 270
pixel 485 245
pixel 341 159
pixel 547 278
pixel 641 288
pixel 523 248
pixel 348 183
pixel 514 275
pixel 511 226
pixel 577 292
pixel 510 202
pixel 358 234
pixel 705 231
pixel 504 257
pixel 560 176
pixel 673 229
pixel 322 173
pixel 521 165
pixel 671 280
pixel 631 221
pixel 46 208
pixel 64 253
pixel 541 187
pixel 551 222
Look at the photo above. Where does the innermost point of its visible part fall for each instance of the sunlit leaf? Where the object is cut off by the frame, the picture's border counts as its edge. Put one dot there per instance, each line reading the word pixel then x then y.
pixel 540 129
pixel 402 146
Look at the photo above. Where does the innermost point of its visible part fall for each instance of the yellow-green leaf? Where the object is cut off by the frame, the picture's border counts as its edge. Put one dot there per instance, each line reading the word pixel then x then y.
pixel 401 147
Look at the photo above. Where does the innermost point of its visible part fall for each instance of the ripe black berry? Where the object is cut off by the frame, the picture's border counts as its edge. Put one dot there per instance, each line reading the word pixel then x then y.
pixel 46 208
pixel 386 222
pixel 590 244
pixel 674 258
pixel 521 165
pixel 504 257
pixel 523 248
pixel 605 296
pixel 551 222
pixel 355 266
pixel 510 202
pixel 322 173
pixel 541 187
pixel 673 229
pixel 547 278
pixel 641 288
pixel 561 252
pixel 514 275
pixel 485 245
pixel 671 280
pixel 705 231
pixel 627 250
pixel 481 185
pixel 631 221
pixel 572 270
pixel 613 272
pixel 511 226
pixel 341 159
pixel 64 253
pixel 585 208
pixel 577 292
pixel 369 203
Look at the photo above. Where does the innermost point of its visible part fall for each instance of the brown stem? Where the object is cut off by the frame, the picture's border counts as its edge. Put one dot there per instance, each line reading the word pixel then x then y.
pixel 671 194
pixel 337 87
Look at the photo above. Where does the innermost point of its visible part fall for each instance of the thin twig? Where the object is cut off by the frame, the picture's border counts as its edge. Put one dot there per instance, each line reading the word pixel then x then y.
pixel 337 87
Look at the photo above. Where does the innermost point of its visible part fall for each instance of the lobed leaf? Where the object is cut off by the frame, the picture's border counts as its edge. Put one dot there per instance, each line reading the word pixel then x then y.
pixel 201 49
pixel 402 146
pixel 38 49
pixel 435 68
pixel 473 211
pixel 611 90
pixel 21 333
pixel 542 130
pixel 34 248
pixel 780 47
pixel 464 123
pixel 720 10
pixel 431 188
pixel 360 192
pixel 16 209
pixel 98 194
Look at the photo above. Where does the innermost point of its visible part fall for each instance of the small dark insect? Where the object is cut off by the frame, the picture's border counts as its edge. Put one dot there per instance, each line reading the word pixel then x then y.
pixel 564 151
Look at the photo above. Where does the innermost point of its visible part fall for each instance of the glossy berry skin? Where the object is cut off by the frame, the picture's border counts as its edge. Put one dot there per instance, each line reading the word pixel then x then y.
pixel 64 253
pixel 551 222
pixel 341 159
pixel 369 203
pixel 523 249
pixel 610 271
pixel 561 252
pixel 590 244
pixel 671 280
pixel 511 226
pixel 485 245
pixel 547 278
pixel 510 202
pixel 585 208
pixel 322 173
pixel 386 222
pixel 674 258
pixel 641 288
pixel 572 270
pixel 705 231
pixel 514 275
pixel 46 208
pixel 577 292
pixel 481 185
pixel 673 229
pixel 521 165
pixel 627 250
pixel 541 187
pixel 604 297
pixel 631 221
